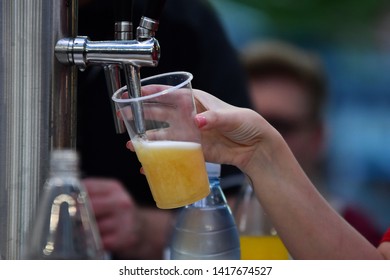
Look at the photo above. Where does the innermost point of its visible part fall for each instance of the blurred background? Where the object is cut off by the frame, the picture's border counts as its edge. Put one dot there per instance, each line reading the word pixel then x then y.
pixel 353 39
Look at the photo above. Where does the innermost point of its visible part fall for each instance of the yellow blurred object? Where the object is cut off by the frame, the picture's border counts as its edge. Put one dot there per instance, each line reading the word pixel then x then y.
pixel 258 238
pixel 262 248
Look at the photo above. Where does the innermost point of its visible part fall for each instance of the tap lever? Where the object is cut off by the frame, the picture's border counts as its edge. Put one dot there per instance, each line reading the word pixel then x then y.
pixel 123 15
pixel 123 30
pixel 149 22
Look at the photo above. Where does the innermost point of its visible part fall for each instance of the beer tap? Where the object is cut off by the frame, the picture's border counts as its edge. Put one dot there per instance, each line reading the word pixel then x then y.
pixel 123 26
pixel 123 53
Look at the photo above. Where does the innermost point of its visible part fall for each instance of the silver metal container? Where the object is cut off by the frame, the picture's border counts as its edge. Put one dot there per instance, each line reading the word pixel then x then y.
pixel 37 108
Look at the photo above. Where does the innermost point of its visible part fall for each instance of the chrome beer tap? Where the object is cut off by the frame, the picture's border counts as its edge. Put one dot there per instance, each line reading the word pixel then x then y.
pixel 123 53
pixel 123 11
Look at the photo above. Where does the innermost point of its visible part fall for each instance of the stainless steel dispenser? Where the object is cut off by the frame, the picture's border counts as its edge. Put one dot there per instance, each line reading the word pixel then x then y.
pixel 37 107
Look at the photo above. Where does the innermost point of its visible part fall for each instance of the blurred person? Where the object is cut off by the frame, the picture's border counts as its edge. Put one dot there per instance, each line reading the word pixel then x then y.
pixel 309 227
pixel 288 87
pixel 191 39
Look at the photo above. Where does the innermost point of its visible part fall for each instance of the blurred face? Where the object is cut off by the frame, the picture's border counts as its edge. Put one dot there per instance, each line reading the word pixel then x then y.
pixel 283 103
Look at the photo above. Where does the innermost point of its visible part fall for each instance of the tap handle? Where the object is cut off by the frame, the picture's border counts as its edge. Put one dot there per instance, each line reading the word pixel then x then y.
pixel 123 10
pixel 149 22
pixel 123 16
pixel 154 9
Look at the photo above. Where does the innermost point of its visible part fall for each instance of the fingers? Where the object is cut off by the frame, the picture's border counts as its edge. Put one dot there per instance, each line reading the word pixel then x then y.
pixel 223 120
pixel 205 101
pixel 238 124
pixel 107 196
pixel 200 120
pixel 151 89
pixel 130 146
pixel 147 90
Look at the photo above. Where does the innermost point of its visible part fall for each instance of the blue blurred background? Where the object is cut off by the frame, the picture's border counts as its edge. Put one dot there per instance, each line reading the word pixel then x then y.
pixel 353 39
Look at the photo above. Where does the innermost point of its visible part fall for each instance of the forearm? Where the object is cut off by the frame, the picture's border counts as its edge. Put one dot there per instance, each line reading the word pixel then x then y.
pixel 308 226
pixel 384 247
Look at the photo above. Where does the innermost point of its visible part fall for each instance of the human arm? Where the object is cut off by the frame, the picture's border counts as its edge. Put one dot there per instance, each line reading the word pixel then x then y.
pixel 127 230
pixel 308 226
pixel 384 249
pixel 384 246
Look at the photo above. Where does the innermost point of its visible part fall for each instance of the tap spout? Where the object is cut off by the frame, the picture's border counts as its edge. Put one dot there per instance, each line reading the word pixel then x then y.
pixel 113 81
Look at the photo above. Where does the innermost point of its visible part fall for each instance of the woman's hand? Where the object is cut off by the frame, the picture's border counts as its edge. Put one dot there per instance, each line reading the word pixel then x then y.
pixel 230 134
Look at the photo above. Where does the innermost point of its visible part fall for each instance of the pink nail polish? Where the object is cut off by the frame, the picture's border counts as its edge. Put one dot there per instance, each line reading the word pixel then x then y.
pixel 200 121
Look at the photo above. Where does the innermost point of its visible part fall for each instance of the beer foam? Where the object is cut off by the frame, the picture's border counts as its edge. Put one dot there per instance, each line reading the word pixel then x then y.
pixel 168 144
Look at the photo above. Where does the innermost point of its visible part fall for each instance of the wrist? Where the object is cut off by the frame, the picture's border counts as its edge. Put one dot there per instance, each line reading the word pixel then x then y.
pixel 269 155
pixel 273 164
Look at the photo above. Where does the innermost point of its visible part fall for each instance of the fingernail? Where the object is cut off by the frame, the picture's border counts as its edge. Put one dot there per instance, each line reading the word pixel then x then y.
pixel 201 121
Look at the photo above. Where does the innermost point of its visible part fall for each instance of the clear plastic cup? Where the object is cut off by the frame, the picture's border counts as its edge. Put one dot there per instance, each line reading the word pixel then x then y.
pixel 166 139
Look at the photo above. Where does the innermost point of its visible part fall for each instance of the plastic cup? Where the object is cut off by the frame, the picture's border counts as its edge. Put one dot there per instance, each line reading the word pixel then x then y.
pixel 166 139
